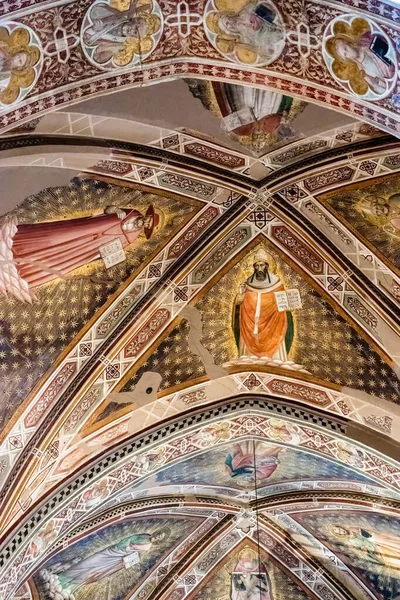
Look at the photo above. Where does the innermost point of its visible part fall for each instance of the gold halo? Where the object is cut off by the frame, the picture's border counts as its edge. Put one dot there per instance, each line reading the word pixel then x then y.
pixel 331 530
pixel 348 70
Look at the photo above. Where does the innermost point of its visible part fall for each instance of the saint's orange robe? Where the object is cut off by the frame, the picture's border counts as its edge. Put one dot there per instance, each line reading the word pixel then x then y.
pixel 264 332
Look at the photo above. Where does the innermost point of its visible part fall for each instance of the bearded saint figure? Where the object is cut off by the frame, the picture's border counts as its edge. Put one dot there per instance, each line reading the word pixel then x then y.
pixel 106 562
pixel 34 254
pixel 373 546
pixel 263 331
pixel 256 26
pixel 112 28
pixel 386 210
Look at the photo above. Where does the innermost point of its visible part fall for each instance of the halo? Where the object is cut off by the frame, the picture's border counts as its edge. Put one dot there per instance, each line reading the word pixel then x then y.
pixel 331 529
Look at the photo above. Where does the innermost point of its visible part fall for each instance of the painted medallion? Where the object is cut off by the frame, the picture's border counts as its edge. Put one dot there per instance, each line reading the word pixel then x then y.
pixel 121 33
pixel 360 57
pixel 247 32
pixel 20 62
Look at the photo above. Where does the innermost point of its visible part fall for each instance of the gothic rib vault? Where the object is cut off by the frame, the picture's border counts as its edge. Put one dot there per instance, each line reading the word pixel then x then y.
pixel 199 293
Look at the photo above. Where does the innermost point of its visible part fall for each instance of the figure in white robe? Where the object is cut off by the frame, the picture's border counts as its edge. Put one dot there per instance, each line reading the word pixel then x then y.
pixel 108 561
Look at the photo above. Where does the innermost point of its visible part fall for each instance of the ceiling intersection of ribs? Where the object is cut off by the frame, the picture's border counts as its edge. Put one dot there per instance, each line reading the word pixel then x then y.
pixel 186 503
pixel 180 288
pixel 199 291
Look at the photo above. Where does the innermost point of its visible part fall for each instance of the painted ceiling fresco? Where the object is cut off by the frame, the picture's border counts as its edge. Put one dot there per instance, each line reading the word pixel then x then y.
pixel 373 212
pixel 230 468
pixel 259 120
pixel 56 278
pixel 199 294
pixel 315 337
pixel 243 575
pixel 113 560
pixel 345 59
pixel 368 543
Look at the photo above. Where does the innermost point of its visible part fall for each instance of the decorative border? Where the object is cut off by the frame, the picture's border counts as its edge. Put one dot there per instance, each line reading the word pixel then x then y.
pixel 121 468
pixel 97 354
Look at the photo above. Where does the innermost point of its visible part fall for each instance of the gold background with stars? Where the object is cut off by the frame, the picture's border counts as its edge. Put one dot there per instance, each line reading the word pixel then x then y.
pixel 218 583
pixel 324 342
pixel 33 336
pixel 345 203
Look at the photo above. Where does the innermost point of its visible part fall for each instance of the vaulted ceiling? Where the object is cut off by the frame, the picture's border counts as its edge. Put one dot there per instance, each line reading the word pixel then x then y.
pixel 199 300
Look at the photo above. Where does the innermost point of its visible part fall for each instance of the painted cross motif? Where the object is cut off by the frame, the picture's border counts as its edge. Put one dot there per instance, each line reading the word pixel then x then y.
pixel 61 45
pixel 183 19
pixel 302 38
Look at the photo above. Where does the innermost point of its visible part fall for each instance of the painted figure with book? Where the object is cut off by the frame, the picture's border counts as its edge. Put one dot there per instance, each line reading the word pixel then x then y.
pixel 248 32
pixel 360 56
pixel 119 34
pixel 123 555
pixel 249 579
pixel 34 254
pixel 263 323
pixel 373 546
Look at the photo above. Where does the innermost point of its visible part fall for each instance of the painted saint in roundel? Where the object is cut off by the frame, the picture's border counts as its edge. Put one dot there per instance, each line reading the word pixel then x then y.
pixel 20 62
pixel 360 57
pixel 250 32
pixel 121 33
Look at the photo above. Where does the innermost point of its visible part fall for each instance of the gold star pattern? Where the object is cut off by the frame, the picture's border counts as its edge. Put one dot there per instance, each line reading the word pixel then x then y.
pixel 351 205
pixel 324 343
pixel 219 583
pixel 32 336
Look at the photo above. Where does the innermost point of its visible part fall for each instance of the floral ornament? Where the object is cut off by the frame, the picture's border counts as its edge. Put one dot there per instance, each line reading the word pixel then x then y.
pixel 284 431
pixel 20 62
pixel 212 434
pixel 45 537
pixel 360 57
pixel 120 33
pixel 250 32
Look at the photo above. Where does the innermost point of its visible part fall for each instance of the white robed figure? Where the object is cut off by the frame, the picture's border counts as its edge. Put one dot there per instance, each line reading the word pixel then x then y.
pixel 256 25
pixel 104 563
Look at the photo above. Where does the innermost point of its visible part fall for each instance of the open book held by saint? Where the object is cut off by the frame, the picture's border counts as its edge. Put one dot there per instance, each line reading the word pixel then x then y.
pixel 34 254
